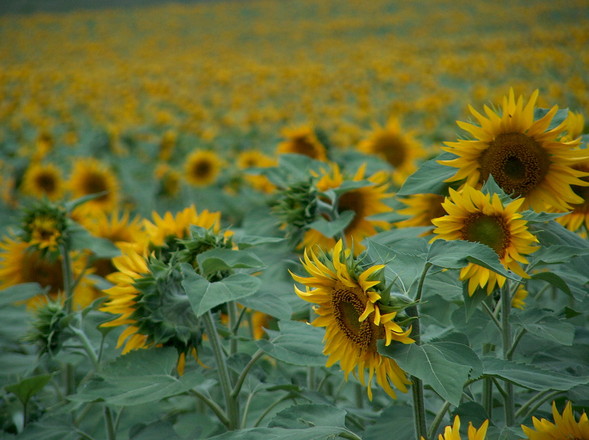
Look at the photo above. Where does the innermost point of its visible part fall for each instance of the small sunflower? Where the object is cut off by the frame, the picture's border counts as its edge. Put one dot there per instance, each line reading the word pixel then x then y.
pixel 90 176
pixel 43 181
pixel 453 432
pixel 422 208
pixel 564 426
pixel 579 216
pixel 45 226
pixel 475 216
pixel 575 124
pixel 302 140
pixel 523 156
pixel 348 307
pixel 364 202
pixel 21 263
pixel 169 178
pixel 256 159
pixel 202 167
pixel 518 301
pixel 394 145
pixel 167 145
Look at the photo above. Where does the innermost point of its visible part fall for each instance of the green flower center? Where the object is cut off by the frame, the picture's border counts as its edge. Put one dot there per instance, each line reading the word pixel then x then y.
pixel 347 309
pixel 517 162
pixel 489 230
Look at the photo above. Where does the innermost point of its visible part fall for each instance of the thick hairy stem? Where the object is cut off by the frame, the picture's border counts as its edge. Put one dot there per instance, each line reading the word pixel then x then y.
pixel 507 352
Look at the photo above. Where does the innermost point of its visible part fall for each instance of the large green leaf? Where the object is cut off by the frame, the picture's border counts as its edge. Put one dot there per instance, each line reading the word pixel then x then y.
pixel 429 178
pixel 204 295
pixel 545 325
pixel 531 376
pixel 223 259
pixel 139 377
pixel 436 364
pixel 20 292
pixel 27 388
pixel 554 280
pixel 559 253
pixel 296 343
pixel 332 228
pixel 269 303
pixel 314 433
pixel 82 240
pixel 306 416
pixel 395 418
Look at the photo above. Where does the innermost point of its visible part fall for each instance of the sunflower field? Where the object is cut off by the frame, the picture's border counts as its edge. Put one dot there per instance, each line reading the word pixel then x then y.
pixel 297 220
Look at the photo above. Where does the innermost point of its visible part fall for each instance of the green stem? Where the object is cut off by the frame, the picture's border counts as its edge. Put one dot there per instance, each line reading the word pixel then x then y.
pixel 311 378
pixel 488 395
pixel 66 269
pixel 349 435
pixel 359 395
pixel 417 388
pixel 507 344
pixel 110 428
pixel 518 337
pixel 237 388
pixel 270 408
pixel 233 325
pixel 213 406
pixel 492 315
pixel 86 344
pixel 439 417
pixel 223 372
pixel 536 402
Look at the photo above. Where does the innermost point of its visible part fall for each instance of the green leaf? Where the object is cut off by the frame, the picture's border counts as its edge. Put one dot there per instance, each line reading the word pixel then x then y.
pixel 553 279
pixel 554 234
pixel 269 303
pixel 558 118
pixel 154 431
pixel 434 365
pixel 204 295
pixel 531 376
pixel 223 259
pixel 314 433
pixel 394 418
pixel 559 254
pixel 544 324
pixel 247 241
pixel 82 240
pixel 20 292
pixel 332 228
pixel 296 343
pixel 306 416
pixel 73 204
pixel 27 388
pixel 139 377
pixel 429 178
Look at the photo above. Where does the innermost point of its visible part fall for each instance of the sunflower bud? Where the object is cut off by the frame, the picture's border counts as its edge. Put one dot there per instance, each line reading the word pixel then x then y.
pixel 50 327
pixel 44 226
pixel 296 207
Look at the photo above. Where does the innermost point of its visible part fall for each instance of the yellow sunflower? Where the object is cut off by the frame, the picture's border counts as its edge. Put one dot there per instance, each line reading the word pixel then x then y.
pixel 43 181
pixel 579 216
pixel 302 140
pixel 575 124
pixel 564 427
pixel 422 208
pixel 167 145
pixel 45 232
pixel 518 301
pixel 179 225
pixel 453 432
pixel 169 180
pixel 394 145
pixel 348 307
pixel 202 167
pixel 90 176
pixel 364 202
pixel 21 263
pixel 523 156
pixel 478 217
pixel 256 159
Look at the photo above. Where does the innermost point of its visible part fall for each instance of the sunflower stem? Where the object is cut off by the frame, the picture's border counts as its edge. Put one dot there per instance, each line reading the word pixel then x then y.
pixel 539 401
pixel 233 317
pixel 311 378
pixel 86 344
pixel 239 383
pixel 213 406
pixel 439 417
pixel 507 344
pixel 417 388
pixel 223 372
pixel 110 427
pixel 66 268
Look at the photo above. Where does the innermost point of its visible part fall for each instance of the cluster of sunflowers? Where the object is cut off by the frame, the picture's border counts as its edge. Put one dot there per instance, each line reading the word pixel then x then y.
pixel 455 270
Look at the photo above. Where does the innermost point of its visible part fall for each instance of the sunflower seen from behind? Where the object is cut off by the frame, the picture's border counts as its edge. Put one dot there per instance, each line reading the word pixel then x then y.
pixel 43 180
pixel 479 217
pixel 564 427
pixel 525 156
pixel 202 167
pixel 347 304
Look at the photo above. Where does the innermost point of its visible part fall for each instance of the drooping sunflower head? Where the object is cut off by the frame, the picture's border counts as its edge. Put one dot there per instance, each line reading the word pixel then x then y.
pixel 525 156
pixel 302 140
pixel 479 217
pixel 202 167
pixel 90 176
pixel 43 180
pixel 453 432
pixel 394 145
pixel 45 226
pixel 364 201
pixel 579 216
pixel 348 305
pixel 422 209
pixel 565 426
pixel 152 306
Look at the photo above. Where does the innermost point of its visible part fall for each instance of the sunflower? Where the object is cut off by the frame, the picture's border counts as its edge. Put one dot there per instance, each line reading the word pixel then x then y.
pixel 396 146
pixel 524 157
pixel 475 216
pixel 365 201
pixel 90 176
pixel 575 124
pixel 43 181
pixel 256 159
pixel 202 167
pixel 453 432
pixel 167 145
pixel 422 208
pixel 348 307
pixel 179 225
pixel 21 263
pixel 302 140
pixel 169 180
pixel 579 216
pixel 518 301
pixel 564 427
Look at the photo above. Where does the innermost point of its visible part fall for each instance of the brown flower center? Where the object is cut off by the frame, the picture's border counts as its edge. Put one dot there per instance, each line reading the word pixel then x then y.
pixel 47 273
pixel 95 183
pixel 352 201
pixel 202 168
pixel 492 231
pixel 347 309
pixel 46 182
pixel 517 163
pixel 305 146
pixel 392 147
